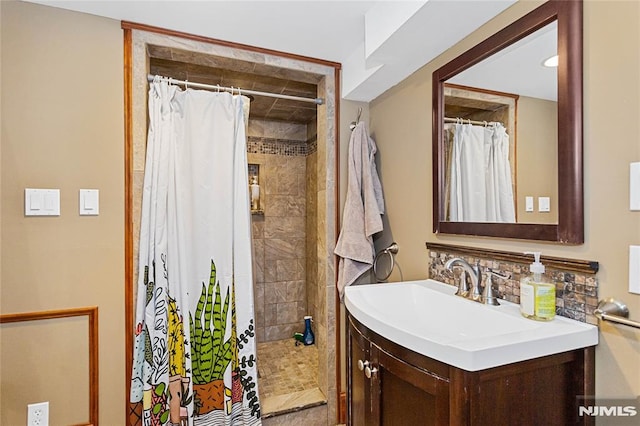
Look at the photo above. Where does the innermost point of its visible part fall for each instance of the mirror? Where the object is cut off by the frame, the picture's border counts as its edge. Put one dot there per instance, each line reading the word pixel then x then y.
pixel 563 160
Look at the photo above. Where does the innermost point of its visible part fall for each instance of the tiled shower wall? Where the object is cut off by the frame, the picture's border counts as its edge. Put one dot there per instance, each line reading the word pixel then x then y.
pixel 280 236
pixel 312 225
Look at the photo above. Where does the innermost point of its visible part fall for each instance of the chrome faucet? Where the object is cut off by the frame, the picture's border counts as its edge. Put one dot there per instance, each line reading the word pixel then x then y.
pixel 475 293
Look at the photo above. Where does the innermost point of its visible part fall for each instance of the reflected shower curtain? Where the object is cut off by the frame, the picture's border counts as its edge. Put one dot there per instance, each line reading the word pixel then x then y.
pixel 480 185
pixel 194 350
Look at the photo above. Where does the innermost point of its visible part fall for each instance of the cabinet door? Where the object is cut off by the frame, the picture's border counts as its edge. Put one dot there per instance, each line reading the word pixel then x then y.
pixel 357 386
pixel 403 394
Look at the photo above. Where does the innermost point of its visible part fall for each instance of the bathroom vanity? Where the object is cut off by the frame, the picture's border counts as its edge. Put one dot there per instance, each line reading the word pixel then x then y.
pixel 410 364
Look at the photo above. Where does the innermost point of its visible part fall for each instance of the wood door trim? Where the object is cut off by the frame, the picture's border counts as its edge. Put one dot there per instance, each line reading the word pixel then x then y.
pixel 128 28
pixel 128 25
pixel 92 313
pixel 128 213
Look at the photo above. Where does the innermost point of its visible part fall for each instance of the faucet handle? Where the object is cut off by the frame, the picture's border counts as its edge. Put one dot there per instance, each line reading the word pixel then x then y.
pixel 463 285
pixel 488 297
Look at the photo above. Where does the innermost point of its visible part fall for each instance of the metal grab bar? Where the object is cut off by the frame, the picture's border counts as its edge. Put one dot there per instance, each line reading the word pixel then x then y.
pixel 614 311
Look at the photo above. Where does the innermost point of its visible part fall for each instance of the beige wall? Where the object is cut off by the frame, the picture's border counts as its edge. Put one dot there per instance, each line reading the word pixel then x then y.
pixel 401 124
pixel 62 127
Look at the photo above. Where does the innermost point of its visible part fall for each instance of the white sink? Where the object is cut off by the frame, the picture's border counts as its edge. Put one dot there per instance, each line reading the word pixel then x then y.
pixel 426 317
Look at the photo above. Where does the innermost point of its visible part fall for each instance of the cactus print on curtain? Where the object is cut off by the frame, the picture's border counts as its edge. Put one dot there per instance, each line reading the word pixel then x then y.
pixel 194 360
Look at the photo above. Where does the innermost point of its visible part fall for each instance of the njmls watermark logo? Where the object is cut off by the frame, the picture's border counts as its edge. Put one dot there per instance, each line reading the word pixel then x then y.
pixel 610 411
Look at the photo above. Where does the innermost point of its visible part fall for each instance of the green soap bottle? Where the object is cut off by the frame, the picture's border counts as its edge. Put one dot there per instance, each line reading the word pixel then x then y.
pixel 537 292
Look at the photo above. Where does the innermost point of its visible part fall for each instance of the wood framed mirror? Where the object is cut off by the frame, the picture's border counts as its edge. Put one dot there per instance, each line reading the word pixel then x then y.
pixel 566 17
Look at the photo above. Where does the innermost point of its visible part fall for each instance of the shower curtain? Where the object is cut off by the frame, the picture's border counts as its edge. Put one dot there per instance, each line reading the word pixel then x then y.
pixel 480 185
pixel 194 360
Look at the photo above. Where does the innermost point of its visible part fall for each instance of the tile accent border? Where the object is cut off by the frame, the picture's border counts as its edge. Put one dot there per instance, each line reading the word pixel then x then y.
pixel 576 283
pixel 262 145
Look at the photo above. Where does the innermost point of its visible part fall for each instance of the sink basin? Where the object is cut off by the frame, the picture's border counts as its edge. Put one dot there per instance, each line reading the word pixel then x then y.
pixel 426 317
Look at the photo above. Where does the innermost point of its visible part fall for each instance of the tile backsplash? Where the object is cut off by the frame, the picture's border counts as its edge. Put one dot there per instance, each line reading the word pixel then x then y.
pixel 576 292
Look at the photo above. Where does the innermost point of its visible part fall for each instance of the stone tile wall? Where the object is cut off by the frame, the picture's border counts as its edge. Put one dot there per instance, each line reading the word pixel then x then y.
pixel 283 236
pixel 312 236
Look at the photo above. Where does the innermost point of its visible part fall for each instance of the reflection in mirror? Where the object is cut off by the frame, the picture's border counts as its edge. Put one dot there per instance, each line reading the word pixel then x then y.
pixel 539 118
pixel 481 182
pixel 479 149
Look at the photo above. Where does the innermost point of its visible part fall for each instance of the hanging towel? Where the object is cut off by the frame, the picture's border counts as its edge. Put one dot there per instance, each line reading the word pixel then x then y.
pixel 364 205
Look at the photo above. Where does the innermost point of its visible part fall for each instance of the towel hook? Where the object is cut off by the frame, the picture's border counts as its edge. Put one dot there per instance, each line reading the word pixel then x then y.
pixel 355 123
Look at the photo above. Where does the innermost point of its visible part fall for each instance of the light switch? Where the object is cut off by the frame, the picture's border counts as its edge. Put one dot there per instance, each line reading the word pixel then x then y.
pixel 544 204
pixel 89 202
pixel 634 269
pixel 41 202
pixel 528 204
pixel 35 200
pixel 634 187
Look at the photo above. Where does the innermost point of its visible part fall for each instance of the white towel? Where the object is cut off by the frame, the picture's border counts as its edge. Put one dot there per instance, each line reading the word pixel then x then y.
pixel 364 205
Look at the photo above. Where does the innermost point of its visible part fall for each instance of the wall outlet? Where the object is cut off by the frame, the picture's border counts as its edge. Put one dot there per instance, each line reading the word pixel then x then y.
pixel 38 414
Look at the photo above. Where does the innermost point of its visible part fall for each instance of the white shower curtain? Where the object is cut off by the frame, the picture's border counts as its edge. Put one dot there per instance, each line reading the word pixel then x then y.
pixel 194 355
pixel 480 188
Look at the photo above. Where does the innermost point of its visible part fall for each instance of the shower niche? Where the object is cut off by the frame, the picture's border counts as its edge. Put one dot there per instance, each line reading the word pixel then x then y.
pixel 255 192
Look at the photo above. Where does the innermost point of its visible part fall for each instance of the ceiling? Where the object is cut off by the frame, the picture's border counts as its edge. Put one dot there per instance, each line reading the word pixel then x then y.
pixel 518 68
pixel 378 43
pixel 213 70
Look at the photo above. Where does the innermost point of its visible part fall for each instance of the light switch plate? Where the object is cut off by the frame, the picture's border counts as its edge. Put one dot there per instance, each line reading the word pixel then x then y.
pixel 634 269
pixel 528 204
pixel 89 201
pixel 544 204
pixel 41 202
pixel 634 187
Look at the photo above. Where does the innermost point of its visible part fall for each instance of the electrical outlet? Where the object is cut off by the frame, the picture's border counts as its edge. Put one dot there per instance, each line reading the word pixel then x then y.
pixel 38 414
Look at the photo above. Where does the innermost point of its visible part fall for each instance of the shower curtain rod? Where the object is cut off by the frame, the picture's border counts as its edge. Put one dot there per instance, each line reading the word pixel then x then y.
pixel 317 101
pixel 464 121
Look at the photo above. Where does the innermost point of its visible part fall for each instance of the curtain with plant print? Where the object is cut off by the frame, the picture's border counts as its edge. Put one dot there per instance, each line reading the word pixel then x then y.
pixel 194 350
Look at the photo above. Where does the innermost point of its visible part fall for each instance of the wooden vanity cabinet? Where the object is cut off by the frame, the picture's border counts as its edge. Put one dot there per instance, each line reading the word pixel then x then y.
pixel 406 388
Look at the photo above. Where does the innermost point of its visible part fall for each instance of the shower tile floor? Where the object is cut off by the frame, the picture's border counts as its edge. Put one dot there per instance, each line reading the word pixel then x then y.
pixel 287 377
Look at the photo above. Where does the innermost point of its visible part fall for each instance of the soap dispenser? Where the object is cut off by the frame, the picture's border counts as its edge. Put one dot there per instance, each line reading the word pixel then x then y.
pixel 537 292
